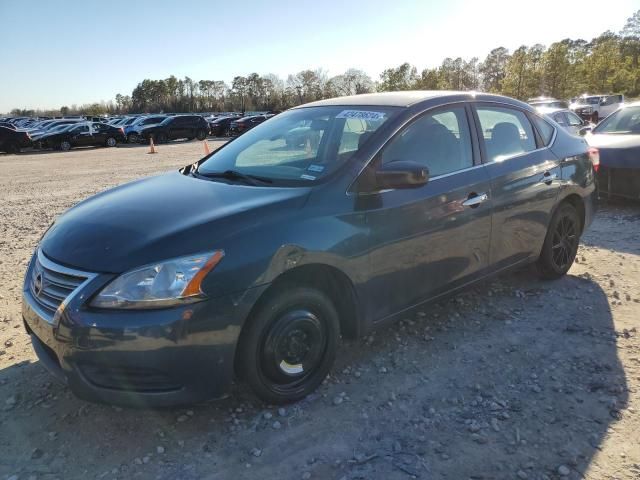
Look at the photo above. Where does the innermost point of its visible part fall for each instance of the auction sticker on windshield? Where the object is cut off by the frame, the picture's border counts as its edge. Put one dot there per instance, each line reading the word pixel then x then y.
pixel 362 114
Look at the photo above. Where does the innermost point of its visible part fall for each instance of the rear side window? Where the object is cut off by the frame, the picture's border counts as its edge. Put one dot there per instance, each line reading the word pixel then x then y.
pixel 545 129
pixel 506 132
pixel 440 141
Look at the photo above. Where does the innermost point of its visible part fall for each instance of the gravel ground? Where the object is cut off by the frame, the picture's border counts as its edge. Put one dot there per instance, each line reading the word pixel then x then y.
pixel 515 379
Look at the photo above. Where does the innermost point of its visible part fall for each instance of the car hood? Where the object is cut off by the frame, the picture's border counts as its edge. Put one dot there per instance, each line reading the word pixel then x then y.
pixel 160 217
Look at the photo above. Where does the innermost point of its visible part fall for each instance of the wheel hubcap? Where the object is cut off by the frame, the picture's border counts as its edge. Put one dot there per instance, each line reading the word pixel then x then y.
pixel 293 347
pixel 565 241
pixel 111 142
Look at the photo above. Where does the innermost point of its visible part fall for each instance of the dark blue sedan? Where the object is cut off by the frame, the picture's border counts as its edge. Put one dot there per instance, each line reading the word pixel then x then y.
pixel 256 259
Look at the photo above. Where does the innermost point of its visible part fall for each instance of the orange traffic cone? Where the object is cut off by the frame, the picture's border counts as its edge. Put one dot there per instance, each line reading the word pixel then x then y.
pixel 206 147
pixel 152 148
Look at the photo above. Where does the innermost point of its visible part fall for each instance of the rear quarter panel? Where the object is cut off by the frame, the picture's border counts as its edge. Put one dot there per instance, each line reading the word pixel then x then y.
pixel 577 174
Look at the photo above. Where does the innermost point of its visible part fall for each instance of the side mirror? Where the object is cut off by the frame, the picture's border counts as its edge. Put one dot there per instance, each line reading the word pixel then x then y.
pixel 584 130
pixel 402 174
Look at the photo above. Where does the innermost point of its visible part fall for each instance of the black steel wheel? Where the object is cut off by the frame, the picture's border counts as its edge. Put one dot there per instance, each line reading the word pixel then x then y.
pixel 289 345
pixel 561 243
pixel 201 134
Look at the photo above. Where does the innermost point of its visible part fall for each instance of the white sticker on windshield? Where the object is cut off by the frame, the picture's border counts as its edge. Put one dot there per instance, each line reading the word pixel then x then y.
pixel 362 114
pixel 307 177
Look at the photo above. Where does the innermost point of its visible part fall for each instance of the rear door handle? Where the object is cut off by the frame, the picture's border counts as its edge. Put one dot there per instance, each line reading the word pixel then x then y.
pixel 475 200
pixel 547 178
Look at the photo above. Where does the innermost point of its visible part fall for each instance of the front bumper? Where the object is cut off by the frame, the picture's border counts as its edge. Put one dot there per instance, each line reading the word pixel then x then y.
pixel 150 358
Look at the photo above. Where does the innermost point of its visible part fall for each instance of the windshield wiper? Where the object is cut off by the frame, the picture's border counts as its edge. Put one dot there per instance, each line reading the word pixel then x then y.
pixel 235 175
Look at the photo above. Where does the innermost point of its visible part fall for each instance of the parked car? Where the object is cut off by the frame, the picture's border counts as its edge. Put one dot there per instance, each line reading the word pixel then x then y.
pixel 220 127
pixel 83 134
pixel 257 258
pixel 12 141
pixel 617 140
pixel 547 102
pixel 132 132
pixel 244 124
pixel 47 127
pixel 566 119
pixel 179 126
pixel 596 107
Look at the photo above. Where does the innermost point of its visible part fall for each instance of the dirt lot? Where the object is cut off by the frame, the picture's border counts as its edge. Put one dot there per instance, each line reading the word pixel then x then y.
pixel 516 379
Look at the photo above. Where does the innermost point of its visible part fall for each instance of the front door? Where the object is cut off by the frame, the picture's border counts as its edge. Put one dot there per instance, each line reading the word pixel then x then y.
pixel 525 181
pixel 427 240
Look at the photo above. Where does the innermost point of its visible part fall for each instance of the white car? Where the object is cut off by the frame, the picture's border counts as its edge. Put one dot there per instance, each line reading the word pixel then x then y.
pixel 596 107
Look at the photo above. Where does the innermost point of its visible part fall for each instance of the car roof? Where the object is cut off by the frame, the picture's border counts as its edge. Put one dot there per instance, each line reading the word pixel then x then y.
pixel 549 110
pixel 408 98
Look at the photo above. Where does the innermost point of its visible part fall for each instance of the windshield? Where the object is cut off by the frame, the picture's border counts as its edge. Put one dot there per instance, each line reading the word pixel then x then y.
pixel 300 145
pixel 588 101
pixel 626 120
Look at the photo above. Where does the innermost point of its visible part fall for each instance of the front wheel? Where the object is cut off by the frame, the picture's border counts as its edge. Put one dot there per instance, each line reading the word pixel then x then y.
pixel 12 148
pixel 111 142
pixel 288 347
pixel 65 146
pixel 162 138
pixel 561 243
pixel 132 138
pixel 201 134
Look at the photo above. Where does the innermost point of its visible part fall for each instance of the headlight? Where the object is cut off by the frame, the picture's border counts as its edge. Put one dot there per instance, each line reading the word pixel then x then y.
pixel 163 284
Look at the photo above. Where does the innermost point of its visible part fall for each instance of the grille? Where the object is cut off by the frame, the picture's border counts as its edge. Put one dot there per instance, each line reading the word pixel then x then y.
pixel 51 284
pixel 128 378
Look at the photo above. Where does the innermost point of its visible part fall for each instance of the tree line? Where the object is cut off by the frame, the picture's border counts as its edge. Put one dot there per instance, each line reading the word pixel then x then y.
pixel 608 63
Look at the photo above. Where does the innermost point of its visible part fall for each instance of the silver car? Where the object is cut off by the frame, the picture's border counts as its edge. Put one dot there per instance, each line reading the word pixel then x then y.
pixel 566 119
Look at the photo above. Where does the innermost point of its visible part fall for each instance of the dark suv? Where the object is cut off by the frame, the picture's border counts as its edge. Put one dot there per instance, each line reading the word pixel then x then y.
pixel 179 126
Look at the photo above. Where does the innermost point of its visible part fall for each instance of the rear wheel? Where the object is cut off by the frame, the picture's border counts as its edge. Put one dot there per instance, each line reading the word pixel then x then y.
pixel 288 347
pixel 595 117
pixel 65 145
pixel 201 134
pixel 111 142
pixel 560 244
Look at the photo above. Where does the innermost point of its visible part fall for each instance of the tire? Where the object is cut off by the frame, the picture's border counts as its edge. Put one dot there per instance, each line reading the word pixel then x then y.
pixel 289 345
pixel 111 142
pixel 201 134
pixel 560 244
pixel 161 138
pixel 595 117
pixel 65 145
pixel 12 148
pixel 132 138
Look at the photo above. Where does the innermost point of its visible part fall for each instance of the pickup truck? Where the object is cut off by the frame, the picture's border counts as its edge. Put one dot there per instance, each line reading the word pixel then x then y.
pixel 596 107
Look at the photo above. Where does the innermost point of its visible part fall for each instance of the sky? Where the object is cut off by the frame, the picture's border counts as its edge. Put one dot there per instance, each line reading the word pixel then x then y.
pixel 64 52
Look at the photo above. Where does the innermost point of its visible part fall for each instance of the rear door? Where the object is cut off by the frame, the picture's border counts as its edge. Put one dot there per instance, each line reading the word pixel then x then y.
pixel 428 240
pixel 525 180
pixel 81 136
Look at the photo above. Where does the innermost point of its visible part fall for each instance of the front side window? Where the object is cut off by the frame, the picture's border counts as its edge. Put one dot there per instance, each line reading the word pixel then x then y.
pixel 573 119
pixel 506 132
pixel 440 141
pixel 626 120
pixel 301 145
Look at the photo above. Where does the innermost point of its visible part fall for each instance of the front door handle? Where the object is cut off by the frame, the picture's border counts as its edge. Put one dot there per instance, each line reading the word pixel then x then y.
pixel 475 200
pixel 548 178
